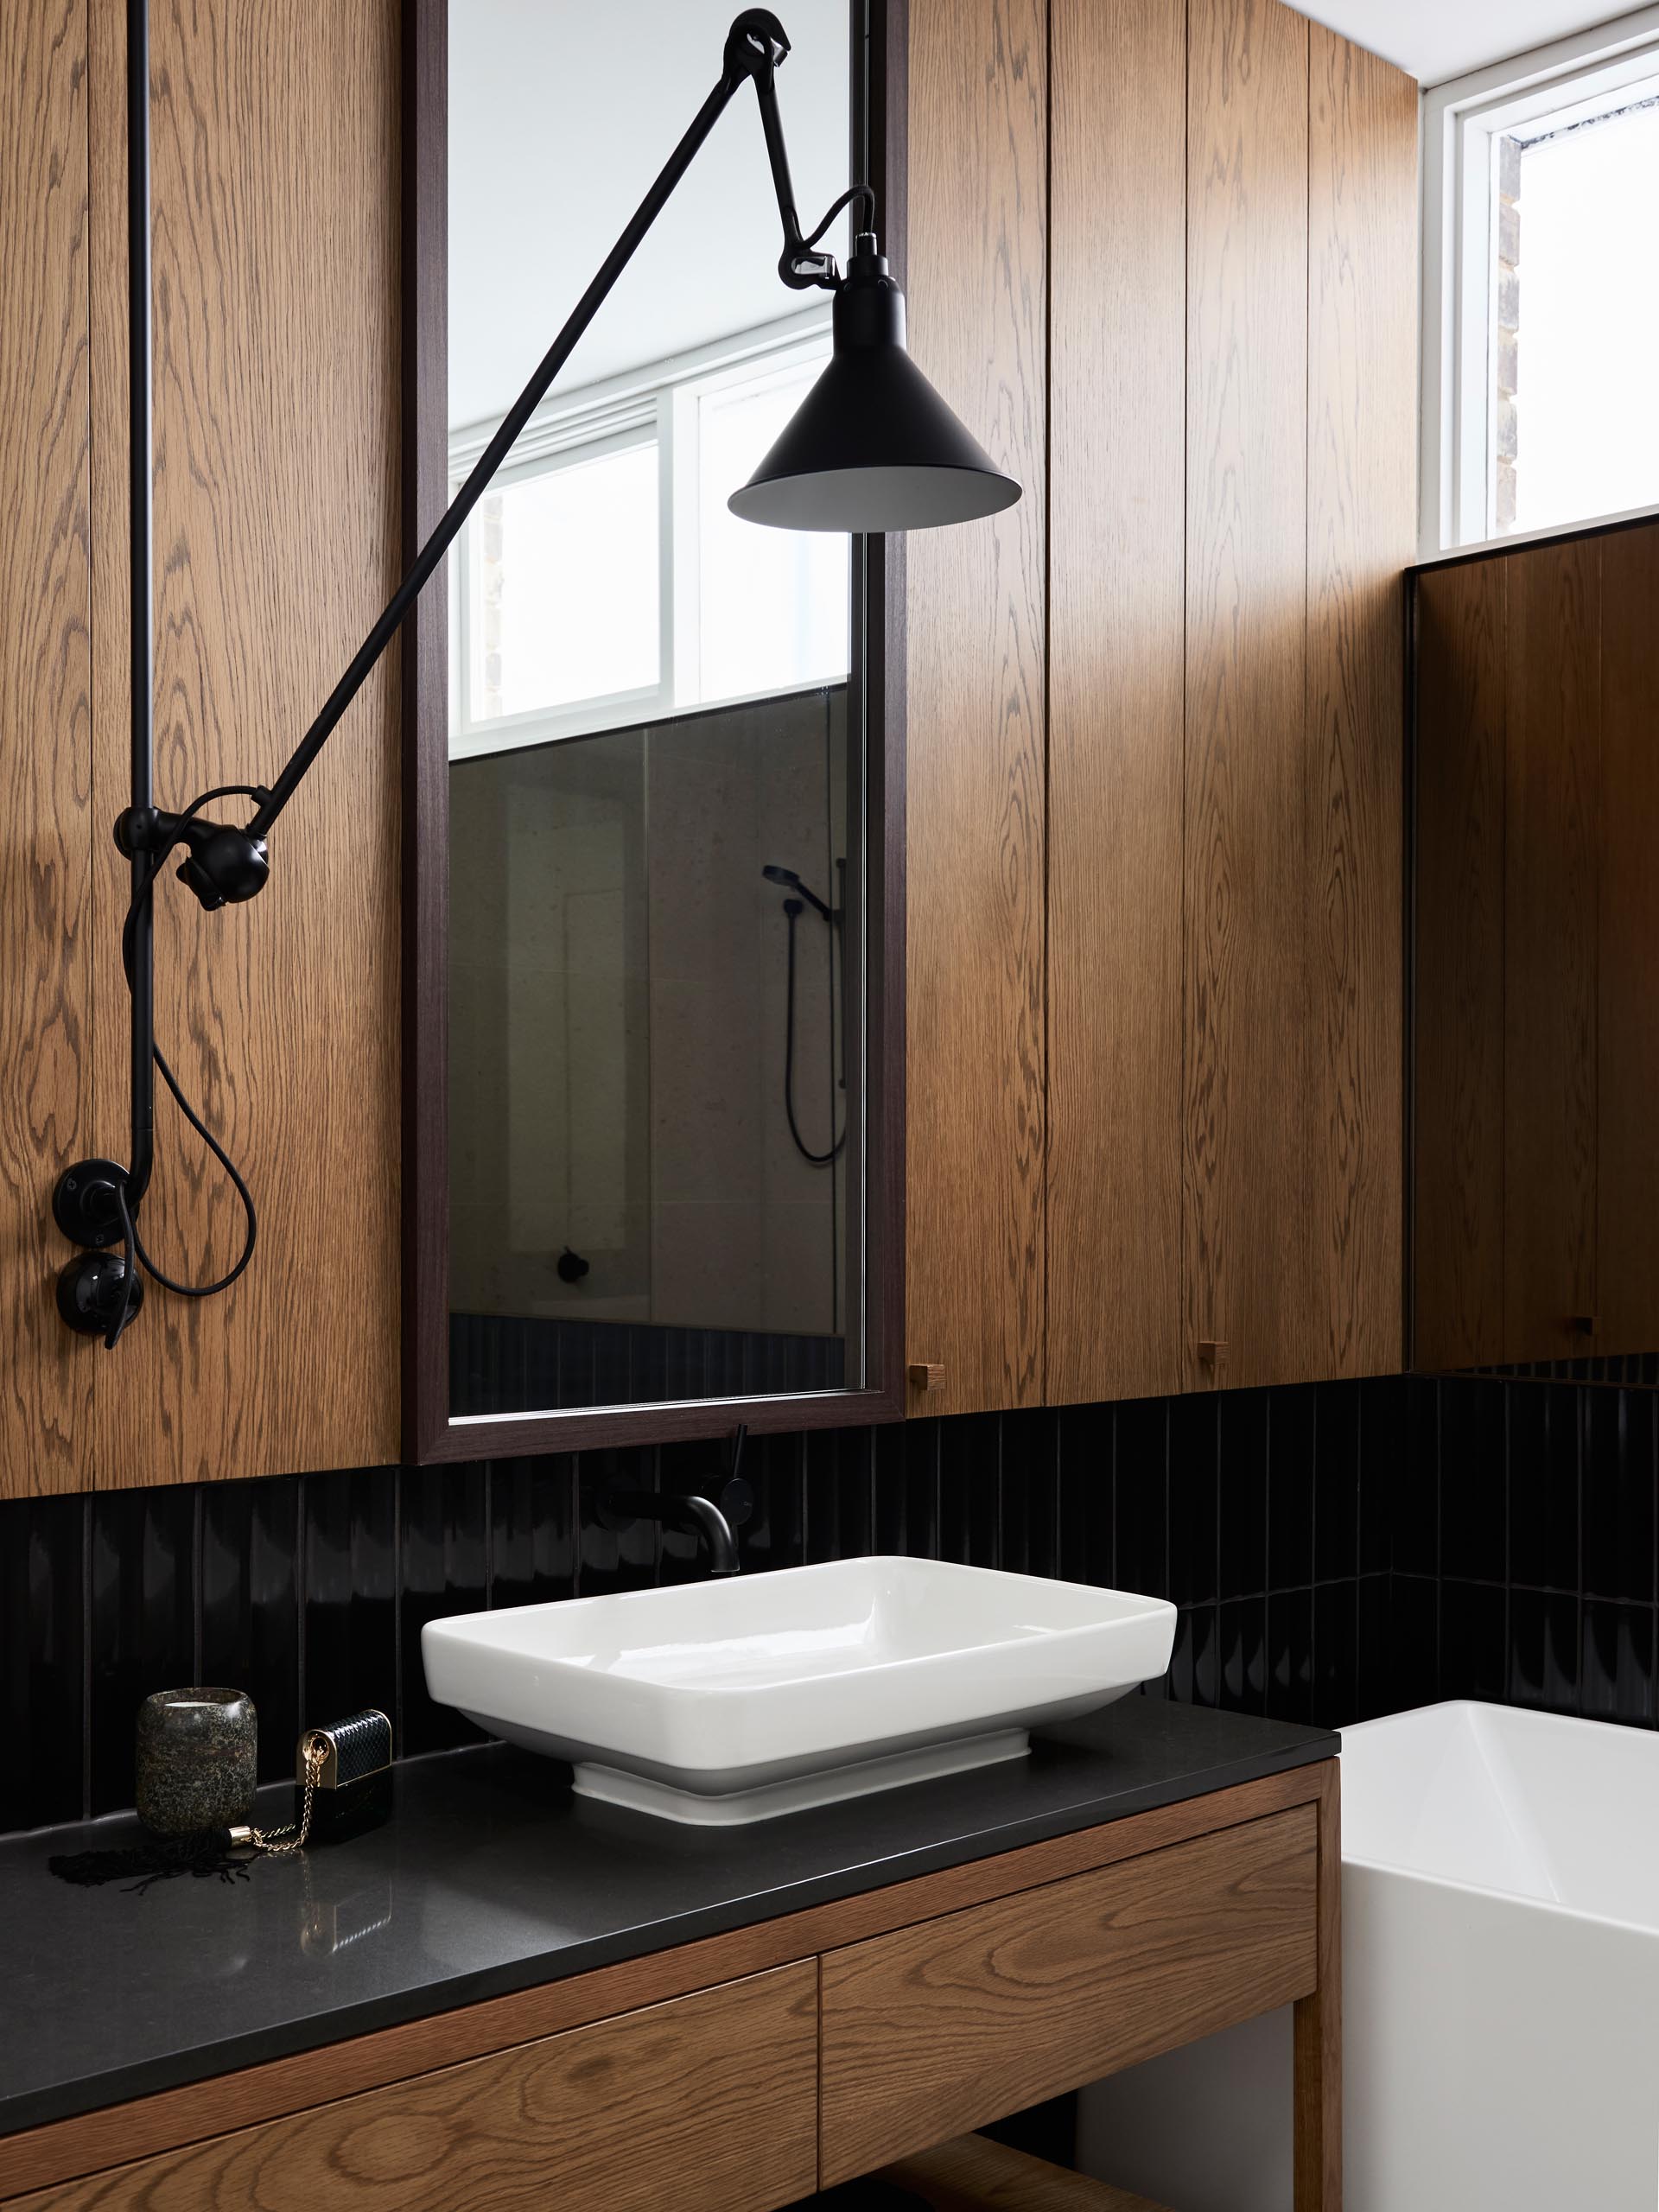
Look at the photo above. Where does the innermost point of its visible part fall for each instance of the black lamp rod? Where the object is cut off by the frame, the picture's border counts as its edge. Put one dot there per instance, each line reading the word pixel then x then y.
pixel 140 611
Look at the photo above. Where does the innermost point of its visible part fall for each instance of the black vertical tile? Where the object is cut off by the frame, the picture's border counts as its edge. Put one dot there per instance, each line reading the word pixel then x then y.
pixel 613 1552
pixel 1382 1468
pixel 970 1488
pixel 1544 1474
pixel 1241 1632
pixel 1473 1637
pixel 1290 1487
pixel 143 1620
pixel 923 1480
pixel 1140 1496
pixel 1206 1653
pixel 1414 1538
pixel 1194 1499
pixel 533 1530
pixel 1474 1500
pixel 250 1606
pixel 44 1690
pixel 1290 1654
pixel 443 1567
pixel 1243 1549
pixel 349 1595
pixel 1083 1447
pixel 1030 1520
pixel 839 1494
pixel 1617 1502
pixel 1544 1651
pixel 1399 1644
pixel 1336 1654
pixel 1336 1480
pixel 1616 1672
pixel 1177 1683
pixel 773 1466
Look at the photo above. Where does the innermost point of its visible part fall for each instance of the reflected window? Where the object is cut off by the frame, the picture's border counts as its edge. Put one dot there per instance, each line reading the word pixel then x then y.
pixel 605 581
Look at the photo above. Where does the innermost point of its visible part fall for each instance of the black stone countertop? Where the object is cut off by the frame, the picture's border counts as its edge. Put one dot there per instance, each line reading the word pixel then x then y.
pixel 492 1877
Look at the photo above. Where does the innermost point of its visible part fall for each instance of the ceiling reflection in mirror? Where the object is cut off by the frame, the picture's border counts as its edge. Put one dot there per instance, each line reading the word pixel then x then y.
pixel 656 752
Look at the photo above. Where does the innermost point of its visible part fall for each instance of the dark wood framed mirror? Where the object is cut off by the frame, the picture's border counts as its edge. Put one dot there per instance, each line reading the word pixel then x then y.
pixel 653 859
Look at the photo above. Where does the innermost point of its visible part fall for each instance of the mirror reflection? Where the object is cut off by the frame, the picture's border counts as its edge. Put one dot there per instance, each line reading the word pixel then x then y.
pixel 655 866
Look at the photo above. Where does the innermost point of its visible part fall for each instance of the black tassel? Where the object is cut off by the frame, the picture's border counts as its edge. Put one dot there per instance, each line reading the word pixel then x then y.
pixel 158 1860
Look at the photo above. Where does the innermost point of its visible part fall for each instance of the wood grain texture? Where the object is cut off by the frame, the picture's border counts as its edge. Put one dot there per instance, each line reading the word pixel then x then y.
pixel 975 715
pixel 276 297
pixel 1627 1239
pixel 1458 1112
pixel 116 2133
pixel 1250 1052
pixel 45 725
pixel 654 2108
pixel 941 2028
pixel 1362 512
pixel 1317 2032
pixel 1553 715
pixel 974 2174
pixel 1117 677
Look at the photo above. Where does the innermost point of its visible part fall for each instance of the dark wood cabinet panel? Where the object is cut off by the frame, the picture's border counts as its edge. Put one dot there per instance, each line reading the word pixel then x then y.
pixel 975 715
pixel 1458 1150
pixel 1247 1016
pixel 1362 418
pixel 45 588
pixel 1116 677
pixel 1627 1033
pixel 1551 812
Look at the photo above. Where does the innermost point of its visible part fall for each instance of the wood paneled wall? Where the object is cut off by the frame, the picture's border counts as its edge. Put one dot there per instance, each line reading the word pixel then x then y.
pixel 1536 1192
pixel 1232 399
pixel 276 379
pixel 974 713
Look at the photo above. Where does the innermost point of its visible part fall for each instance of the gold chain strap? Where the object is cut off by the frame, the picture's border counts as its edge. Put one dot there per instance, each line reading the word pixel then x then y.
pixel 273 1839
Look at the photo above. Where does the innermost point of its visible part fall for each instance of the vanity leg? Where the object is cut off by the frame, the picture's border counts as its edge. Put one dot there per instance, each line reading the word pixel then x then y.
pixel 1319 2027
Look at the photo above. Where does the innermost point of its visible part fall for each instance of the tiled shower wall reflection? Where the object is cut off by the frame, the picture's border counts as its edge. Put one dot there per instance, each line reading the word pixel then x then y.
pixel 1335 1550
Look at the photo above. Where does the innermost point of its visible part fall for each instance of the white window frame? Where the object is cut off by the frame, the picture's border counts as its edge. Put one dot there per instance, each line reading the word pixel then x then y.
pixel 1462 120
pixel 660 402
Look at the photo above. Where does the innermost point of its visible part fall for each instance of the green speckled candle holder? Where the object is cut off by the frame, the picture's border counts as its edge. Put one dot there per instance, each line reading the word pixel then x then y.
pixel 198 1760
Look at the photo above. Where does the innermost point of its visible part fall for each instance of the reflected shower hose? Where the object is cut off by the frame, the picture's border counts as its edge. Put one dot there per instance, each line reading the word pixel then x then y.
pixel 792 911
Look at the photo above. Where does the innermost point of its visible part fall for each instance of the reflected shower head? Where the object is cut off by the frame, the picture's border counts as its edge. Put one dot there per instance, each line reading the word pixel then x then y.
pixel 790 881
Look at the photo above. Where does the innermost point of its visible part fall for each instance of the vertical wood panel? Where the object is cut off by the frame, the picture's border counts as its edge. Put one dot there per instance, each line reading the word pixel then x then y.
pixel 975 734
pixel 45 723
pixel 1627 1026
pixel 277 293
pixel 1553 717
pixel 1116 675
pixel 1458 1150
pixel 1362 388
pixel 1249 1055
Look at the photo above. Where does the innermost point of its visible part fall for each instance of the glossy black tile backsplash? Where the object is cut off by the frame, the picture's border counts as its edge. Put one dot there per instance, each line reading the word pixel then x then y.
pixel 1335 1550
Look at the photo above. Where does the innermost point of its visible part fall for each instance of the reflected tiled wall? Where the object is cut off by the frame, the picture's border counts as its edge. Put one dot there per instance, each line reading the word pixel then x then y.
pixel 1262 1514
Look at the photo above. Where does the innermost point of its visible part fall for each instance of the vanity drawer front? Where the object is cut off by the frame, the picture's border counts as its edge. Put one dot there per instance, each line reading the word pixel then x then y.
pixel 707 2103
pixel 936 2029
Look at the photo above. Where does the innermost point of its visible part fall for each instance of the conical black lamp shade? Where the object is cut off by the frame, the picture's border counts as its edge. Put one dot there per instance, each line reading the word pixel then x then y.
pixel 873 447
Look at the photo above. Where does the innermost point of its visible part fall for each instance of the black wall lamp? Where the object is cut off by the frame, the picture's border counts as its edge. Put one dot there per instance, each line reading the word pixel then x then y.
pixel 872 448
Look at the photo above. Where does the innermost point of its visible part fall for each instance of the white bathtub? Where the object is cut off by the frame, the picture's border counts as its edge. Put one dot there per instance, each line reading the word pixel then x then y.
pixel 1500 1908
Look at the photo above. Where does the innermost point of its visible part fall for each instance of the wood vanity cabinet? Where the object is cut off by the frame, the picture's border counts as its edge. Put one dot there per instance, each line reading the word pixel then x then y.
pixel 743 2072
pixel 1536 1177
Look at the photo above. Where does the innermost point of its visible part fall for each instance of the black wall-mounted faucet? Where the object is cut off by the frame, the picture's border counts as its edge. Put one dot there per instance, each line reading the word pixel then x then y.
pixel 715 1519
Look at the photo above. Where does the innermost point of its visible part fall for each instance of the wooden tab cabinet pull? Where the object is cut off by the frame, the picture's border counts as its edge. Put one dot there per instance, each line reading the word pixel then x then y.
pixel 1212 1352
pixel 1585 1324
pixel 926 1375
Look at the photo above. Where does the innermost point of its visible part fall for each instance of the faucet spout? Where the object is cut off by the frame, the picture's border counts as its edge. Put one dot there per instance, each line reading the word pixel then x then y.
pixel 711 1524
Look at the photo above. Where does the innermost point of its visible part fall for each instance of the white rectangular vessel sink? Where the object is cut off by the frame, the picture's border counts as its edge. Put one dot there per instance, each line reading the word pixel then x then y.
pixel 732 1701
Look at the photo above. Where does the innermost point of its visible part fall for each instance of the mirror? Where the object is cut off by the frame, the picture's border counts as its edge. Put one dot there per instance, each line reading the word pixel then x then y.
pixel 1535 1037
pixel 666 1173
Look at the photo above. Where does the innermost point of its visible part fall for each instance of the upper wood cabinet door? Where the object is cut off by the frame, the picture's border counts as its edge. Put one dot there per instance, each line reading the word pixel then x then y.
pixel 1233 287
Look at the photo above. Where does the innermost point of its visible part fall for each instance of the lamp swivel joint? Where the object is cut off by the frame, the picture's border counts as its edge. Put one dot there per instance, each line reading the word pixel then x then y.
pixel 223 866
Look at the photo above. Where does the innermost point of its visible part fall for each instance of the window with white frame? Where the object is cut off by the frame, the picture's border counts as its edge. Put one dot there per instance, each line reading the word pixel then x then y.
pixel 1542 290
pixel 602 580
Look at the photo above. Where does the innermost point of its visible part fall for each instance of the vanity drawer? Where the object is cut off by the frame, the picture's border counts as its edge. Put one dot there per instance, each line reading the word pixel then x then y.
pixel 936 2029
pixel 707 2103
